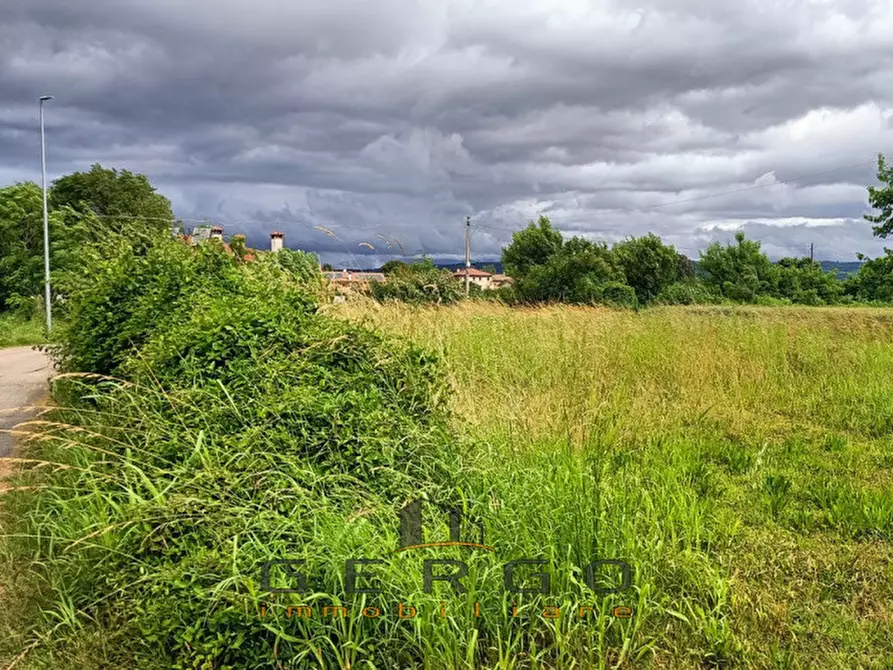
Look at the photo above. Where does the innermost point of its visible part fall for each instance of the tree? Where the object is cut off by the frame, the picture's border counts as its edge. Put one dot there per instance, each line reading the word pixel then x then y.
pixel 804 281
pixel 421 282
pixel 882 198
pixel 684 267
pixel 21 243
pixel 489 267
pixel 577 273
pixel 393 265
pixel 649 265
pixel 530 247
pixel 739 271
pixel 874 281
pixel 114 195
pixel 548 268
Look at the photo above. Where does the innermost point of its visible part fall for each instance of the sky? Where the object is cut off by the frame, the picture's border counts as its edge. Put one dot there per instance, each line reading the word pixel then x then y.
pixel 364 129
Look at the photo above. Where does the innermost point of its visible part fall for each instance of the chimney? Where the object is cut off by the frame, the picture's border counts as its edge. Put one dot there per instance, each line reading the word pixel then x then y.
pixel 276 241
pixel 217 233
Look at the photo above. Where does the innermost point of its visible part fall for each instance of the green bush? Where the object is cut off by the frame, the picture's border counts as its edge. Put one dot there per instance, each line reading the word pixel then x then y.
pixel 419 283
pixel 807 297
pixel 874 281
pixel 687 293
pixel 246 427
pixel 118 303
pixel 804 282
pixel 650 265
pixel 618 294
pixel 740 271
pixel 505 295
pixel 770 301
pixel 302 265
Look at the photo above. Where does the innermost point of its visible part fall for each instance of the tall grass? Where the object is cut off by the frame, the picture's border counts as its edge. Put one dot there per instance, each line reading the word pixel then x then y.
pixel 747 451
pixel 16 331
pixel 737 458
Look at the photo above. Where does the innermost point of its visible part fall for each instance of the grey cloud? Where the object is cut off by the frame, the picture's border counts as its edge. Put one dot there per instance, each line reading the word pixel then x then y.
pixel 398 119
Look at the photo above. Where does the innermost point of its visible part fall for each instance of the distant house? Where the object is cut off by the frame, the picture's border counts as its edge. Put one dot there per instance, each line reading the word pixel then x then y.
pixel 500 281
pixel 484 280
pixel 477 277
pixel 352 280
pixel 204 233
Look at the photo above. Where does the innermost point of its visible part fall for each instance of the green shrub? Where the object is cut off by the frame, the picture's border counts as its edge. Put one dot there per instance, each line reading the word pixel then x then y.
pixel 419 283
pixel 302 265
pixel 687 293
pixel 247 427
pixel 805 282
pixel 649 265
pixel 740 271
pixel 505 295
pixel 807 297
pixel 618 294
pixel 874 281
pixel 770 301
pixel 120 302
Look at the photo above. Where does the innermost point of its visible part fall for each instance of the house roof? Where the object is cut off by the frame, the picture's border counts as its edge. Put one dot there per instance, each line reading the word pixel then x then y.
pixel 472 272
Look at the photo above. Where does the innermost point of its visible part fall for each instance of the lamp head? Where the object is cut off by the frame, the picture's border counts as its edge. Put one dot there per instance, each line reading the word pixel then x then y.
pixel 44 98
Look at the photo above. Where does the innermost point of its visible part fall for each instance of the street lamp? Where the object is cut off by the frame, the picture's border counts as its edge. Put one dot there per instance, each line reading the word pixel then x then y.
pixel 46 218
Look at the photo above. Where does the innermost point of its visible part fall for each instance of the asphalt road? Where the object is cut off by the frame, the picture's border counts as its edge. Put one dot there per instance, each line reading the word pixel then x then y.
pixel 23 382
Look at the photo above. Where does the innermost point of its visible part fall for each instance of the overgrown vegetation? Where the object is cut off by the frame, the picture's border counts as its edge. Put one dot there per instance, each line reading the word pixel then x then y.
pixel 745 467
pixel 718 451
pixel 214 416
pixel 213 420
pixel 16 330
pixel 418 283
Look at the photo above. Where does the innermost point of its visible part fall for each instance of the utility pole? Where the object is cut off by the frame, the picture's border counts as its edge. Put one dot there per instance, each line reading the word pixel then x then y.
pixel 811 252
pixel 467 254
pixel 46 218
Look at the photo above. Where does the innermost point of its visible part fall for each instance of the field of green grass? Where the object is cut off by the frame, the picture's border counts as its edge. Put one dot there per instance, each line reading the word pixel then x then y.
pixel 743 460
pixel 15 331
pixel 740 459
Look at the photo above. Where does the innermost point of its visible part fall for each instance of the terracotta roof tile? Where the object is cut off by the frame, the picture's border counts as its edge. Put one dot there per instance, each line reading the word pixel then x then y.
pixel 472 272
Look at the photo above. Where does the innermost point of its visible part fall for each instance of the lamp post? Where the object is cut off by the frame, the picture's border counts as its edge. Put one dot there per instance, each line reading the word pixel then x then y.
pixel 46 218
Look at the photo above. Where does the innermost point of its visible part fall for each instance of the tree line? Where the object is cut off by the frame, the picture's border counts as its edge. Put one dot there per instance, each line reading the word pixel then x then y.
pixel 85 207
pixel 644 270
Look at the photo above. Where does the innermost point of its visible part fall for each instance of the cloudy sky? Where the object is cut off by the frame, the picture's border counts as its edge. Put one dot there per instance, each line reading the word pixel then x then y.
pixel 393 120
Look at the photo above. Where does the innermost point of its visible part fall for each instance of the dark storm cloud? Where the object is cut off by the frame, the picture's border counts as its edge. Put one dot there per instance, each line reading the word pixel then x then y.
pixel 388 122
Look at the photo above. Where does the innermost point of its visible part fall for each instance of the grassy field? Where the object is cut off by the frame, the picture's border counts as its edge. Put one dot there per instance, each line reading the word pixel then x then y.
pixel 743 463
pixel 15 331
pixel 739 459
